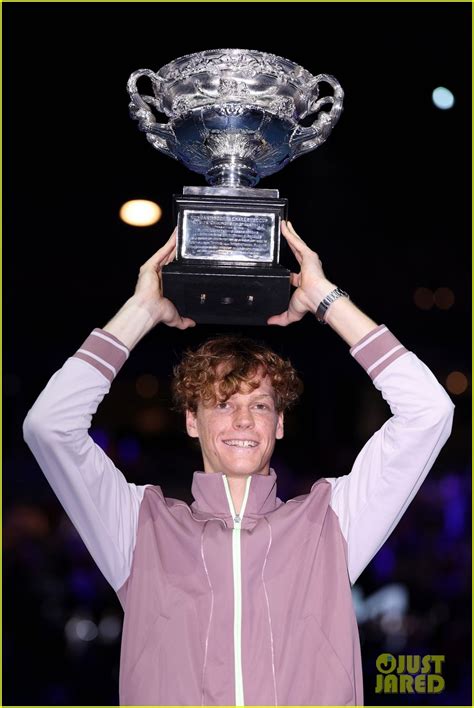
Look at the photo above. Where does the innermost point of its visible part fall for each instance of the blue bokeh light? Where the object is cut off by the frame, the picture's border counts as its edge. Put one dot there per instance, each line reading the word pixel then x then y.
pixel 443 98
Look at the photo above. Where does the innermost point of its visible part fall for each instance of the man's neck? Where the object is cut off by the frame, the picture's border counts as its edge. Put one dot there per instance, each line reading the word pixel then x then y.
pixel 237 486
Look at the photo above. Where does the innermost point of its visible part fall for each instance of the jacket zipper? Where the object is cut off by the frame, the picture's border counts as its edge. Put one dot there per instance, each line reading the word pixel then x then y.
pixel 237 573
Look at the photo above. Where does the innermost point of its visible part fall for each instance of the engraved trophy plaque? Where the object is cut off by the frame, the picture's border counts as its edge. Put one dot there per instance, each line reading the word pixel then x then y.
pixel 234 116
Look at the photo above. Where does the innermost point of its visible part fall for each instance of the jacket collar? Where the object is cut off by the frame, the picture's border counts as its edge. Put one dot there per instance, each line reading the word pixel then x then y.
pixel 210 499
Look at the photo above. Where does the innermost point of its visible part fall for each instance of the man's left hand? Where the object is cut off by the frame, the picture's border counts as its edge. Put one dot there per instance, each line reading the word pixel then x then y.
pixel 311 284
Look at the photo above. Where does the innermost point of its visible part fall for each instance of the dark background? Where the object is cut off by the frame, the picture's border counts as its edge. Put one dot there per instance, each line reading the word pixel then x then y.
pixel 385 202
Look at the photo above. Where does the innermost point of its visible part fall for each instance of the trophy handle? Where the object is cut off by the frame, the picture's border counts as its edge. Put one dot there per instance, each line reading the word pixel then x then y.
pixel 304 140
pixel 160 135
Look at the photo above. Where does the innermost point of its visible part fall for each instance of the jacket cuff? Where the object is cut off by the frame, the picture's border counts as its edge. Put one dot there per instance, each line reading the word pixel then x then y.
pixel 104 352
pixel 377 350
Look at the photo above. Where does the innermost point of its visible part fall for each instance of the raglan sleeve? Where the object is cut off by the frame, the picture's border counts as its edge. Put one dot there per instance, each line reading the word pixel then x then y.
pixel 370 500
pixel 101 504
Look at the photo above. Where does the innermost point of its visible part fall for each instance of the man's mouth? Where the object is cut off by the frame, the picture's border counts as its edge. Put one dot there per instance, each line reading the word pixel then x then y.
pixel 241 443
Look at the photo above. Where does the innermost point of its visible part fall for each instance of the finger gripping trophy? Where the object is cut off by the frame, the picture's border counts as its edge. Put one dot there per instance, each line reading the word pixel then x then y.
pixel 235 117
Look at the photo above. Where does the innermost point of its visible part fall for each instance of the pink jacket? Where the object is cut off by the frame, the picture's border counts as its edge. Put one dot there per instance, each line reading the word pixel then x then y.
pixel 253 609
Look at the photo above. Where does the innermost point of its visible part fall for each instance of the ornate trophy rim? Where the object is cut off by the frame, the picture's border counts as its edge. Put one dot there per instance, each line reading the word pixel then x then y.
pixel 298 73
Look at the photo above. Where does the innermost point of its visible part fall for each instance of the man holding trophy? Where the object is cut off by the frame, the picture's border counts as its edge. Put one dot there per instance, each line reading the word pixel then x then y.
pixel 238 599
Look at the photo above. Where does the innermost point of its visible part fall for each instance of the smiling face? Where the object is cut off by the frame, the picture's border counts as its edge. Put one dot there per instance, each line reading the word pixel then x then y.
pixel 238 436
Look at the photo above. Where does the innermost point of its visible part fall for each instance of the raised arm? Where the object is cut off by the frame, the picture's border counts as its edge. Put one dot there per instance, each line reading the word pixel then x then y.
pixel 94 493
pixel 147 307
pixel 389 470
pixel 312 287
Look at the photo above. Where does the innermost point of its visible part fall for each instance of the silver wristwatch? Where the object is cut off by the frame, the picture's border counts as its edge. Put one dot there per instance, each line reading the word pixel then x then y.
pixel 326 302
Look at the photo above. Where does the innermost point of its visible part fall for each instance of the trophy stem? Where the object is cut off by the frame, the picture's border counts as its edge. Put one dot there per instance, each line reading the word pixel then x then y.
pixel 232 172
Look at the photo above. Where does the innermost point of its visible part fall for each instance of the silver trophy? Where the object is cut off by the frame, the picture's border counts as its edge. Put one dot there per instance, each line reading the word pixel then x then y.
pixel 234 116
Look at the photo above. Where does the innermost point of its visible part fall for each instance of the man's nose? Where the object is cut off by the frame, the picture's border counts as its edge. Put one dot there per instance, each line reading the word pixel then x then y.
pixel 243 418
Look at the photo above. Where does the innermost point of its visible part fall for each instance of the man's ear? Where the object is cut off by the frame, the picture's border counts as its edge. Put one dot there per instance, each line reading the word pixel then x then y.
pixel 280 431
pixel 191 424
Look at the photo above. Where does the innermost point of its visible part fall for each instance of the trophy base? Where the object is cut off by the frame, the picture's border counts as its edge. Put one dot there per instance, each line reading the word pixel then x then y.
pixel 227 295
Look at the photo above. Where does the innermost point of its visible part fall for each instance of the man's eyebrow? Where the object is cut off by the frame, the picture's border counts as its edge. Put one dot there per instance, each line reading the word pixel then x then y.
pixel 254 395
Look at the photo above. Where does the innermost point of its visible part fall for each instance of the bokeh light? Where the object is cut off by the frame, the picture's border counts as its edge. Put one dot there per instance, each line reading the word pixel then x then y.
pixel 80 629
pixel 443 98
pixel 151 420
pixel 140 212
pixel 147 385
pixel 110 627
pixel 444 298
pixel 457 383
pixel 423 298
pixel 129 450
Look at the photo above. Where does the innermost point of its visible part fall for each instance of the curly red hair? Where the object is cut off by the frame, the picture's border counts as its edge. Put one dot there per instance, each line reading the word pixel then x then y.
pixel 226 365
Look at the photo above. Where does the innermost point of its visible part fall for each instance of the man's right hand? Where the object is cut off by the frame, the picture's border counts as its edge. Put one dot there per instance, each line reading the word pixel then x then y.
pixel 147 307
pixel 149 288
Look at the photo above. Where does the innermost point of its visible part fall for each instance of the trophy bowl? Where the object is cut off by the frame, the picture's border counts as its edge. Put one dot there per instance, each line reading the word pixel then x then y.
pixel 234 116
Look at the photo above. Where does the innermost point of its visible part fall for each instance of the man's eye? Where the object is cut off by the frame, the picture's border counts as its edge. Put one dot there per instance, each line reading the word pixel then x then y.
pixel 261 406
pixel 222 406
